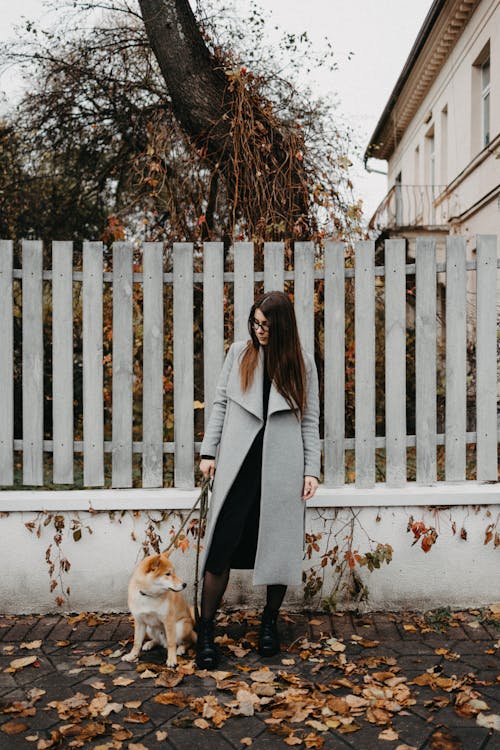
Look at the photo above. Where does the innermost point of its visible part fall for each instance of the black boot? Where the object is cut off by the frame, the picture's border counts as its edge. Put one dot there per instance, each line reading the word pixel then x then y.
pixel 269 642
pixel 206 652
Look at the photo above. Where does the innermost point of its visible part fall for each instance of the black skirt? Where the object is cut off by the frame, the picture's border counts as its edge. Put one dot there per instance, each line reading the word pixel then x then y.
pixel 234 541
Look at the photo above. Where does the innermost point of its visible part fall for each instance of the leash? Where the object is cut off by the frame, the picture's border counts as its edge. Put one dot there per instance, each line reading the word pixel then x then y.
pixel 202 499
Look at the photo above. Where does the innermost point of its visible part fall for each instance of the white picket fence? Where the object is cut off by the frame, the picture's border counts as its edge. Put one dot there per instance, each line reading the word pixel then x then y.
pixel 307 273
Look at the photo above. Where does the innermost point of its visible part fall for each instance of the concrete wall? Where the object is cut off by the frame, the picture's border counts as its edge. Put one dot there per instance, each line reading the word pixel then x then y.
pixel 454 573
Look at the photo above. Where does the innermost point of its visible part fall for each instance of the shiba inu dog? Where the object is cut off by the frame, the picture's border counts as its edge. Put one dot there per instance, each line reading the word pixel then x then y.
pixel 159 610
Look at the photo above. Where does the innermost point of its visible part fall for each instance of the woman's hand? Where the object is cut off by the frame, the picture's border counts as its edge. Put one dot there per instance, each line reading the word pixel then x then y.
pixel 310 487
pixel 207 467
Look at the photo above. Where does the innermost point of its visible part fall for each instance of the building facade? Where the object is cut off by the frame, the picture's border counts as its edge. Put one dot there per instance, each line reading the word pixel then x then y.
pixel 440 130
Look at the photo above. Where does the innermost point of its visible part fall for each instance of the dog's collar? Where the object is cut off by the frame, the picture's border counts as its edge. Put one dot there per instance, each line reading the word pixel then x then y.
pixel 152 596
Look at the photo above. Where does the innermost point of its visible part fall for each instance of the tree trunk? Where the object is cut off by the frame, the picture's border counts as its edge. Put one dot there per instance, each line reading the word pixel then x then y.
pixel 196 88
pixel 267 186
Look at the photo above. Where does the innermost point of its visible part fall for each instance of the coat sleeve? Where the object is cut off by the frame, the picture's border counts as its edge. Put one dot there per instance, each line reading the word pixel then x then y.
pixel 310 423
pixel 213 431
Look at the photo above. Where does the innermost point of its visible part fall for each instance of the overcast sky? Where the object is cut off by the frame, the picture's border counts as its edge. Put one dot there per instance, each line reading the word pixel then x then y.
pixel 371 40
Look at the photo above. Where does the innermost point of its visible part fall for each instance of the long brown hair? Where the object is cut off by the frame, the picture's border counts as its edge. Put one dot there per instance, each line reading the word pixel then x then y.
pixel 284 359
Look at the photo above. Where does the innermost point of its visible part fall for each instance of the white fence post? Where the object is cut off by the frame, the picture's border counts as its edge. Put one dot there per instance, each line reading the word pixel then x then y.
pixel 62 360
pixel 32 362
pixel 274 272
pixel 395 362
pixel 425 375
pixel 183 366
pixel 213 320
pixel 456 363
pixel 304 293
pixel 121 474
pixel 365 363
pixel 152 376
pixel 486 360
pixel 243 288
pixel 334 364
pixel 93 411
pixel 6 364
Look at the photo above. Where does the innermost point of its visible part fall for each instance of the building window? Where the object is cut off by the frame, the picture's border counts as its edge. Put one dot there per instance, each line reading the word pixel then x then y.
pixel 444 145
pixel 480 123
pixel 485 101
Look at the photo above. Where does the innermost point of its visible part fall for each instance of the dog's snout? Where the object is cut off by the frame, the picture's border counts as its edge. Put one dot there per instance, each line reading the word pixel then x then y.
pixel 184 585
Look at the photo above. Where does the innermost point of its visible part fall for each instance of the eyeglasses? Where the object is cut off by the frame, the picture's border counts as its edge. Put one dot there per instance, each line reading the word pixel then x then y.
pixel 264 327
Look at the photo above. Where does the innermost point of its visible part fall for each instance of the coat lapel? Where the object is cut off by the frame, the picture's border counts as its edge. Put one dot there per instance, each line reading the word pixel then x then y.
pixel 277 402
pixel 250 400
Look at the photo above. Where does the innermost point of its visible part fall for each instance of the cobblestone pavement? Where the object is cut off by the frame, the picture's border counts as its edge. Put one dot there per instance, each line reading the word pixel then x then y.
pixel 379 680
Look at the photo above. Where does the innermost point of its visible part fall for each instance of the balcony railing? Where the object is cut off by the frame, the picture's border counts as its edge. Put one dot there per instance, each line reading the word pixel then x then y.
pixel 411 206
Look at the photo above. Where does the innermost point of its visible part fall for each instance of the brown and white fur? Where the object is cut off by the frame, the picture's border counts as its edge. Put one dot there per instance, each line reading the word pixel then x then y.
pixel 160 612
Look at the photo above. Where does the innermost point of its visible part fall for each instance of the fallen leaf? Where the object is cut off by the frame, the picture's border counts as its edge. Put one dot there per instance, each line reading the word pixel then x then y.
pixel 107 668
pixel 262 675
pixel 246 741
pixel 490 721
pixel 132 704
pixel 137 718
pixel 292 740
pixel 377 715
pixel 161 736
pixel 201 723
pixel 147 674
pixel 112 708
pixel 171 698
pixel 99 685
pixel 388 734
pixel 122 681
pixel 32 644
pixel 406 747
pixel 90 661
pixel 136 746
pixel 25 661
pixel 410 628
pixel 14 727
pixel 442 739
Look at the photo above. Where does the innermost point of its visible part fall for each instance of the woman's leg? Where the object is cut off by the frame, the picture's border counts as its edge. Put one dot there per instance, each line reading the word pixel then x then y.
pixel 214 585
pixel 269 642
pixel 275 595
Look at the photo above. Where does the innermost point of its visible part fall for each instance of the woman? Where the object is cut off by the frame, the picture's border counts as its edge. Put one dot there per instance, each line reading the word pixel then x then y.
pixel 264 431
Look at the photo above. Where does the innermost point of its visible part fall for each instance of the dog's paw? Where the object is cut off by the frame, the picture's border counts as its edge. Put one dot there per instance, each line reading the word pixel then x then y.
pixel 172 661
pixel 129 657
pixel 181 649
pixel 149 645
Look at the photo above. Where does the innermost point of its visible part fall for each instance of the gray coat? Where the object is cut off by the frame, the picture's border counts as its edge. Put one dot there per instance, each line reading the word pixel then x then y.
pixel 291 450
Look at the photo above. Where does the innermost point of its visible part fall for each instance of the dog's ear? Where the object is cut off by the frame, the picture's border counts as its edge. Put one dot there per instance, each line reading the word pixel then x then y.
pixel 153 563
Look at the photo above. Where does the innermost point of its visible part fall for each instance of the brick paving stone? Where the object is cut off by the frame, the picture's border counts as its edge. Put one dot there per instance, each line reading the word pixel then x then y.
pixel 477 633
pixel 321 625
pixel 20 629
pixel 105 632
pixel 81 631
pixel 43 627
pixel 124 630
pixel 385 627
pixel 492 742
pixel 343 626
pixel 411 729
pixel 199 740
pixel 62 631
